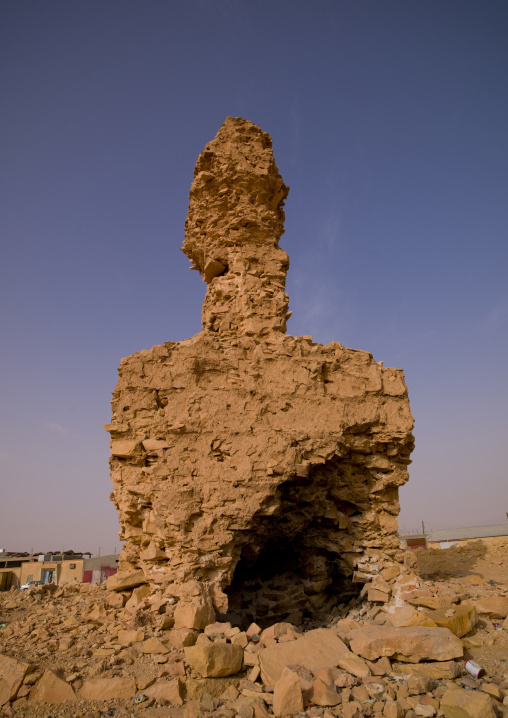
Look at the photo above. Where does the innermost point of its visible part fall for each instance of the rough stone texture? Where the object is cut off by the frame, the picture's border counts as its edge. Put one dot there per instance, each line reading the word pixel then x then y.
pixel 107 688
pixel 354 665
pixel 52 689
pixel 440 669
pixel 168 690
pixel 494 606
pixel 287 696
pixel 216 660
pixel 12 673
pixel 412 644
pixel 315 650
pixel 244 450
pixel 457 703
pixel 460 620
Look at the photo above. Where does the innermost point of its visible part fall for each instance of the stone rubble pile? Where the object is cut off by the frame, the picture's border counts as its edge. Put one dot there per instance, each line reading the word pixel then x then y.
pixel 399 653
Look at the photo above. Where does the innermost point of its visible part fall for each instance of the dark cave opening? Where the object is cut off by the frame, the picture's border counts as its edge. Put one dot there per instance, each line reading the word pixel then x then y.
pixel 277 587
pixel 292 560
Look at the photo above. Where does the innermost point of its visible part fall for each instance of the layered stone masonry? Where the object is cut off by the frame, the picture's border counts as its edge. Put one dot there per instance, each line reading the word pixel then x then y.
pixel 254 467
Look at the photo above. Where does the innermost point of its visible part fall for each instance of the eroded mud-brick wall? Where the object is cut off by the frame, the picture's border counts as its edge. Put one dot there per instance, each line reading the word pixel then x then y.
pixel 263 466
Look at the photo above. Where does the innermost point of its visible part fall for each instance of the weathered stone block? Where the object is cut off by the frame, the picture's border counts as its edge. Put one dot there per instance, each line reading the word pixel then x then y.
pixel 216 660
pixel 408 644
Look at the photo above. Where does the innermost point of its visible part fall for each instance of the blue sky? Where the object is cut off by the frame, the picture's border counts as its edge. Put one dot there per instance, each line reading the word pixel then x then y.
pixel 389 122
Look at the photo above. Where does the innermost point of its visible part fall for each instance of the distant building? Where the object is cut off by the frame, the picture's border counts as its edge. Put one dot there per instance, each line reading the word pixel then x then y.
pixel 17 569
pixel 413 541
pixel 445 538
pixel 459 537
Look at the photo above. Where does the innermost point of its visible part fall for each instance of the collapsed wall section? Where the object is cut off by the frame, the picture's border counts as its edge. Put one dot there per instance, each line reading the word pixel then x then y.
pixel 261 468
pixel 220 450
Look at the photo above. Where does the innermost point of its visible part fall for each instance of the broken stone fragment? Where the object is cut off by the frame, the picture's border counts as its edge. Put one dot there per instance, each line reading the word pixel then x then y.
pixel 240 639
pixel 377 596
pixel 314 650
pixel 103 689
pixel 138 596
pixel 117 600
pixel 171 690
pixel 437 670
pixel 128 637
pixel 213 269
pixel 123 448
pixel 405 616
pixel 407 644
pixel 353 664
pixel 279 631
pixel 353 709
pixel 196 612
pixel 493 606
pixel 418 684
pixel 393 709
pixel 216 660
pixel 123 580
pixel 458 703
pixel 153 645
pixel 425 711
pixel 180 638
pixel 323 694
pixel 12 673
pixel 493 690
pixel 155 444
pixel 51 689
pixel 459 620
pixel 380 667
pixel 288 695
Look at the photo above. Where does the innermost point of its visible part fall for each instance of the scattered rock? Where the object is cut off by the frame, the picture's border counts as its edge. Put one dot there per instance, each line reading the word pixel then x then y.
pixel 171 691
pixel 288 695
pixel 122 580
pixel 103 689
pixel 12 673
pixel 153 645
pixel 408 644
pixel 437 670
pixel 459 619
pixel 51 689
pixel 353 664
pixel 316 649
pixel 493 606
pixel 216 660
pixel 457 703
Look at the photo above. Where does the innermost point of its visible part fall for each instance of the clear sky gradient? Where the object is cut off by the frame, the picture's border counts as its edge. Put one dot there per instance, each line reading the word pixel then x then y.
pixel 389 122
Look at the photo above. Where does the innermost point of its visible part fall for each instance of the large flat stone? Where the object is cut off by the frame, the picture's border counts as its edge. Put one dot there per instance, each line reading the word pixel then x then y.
pixel 433 669
pixel 315 650
pixel 411 644
pixel 457 703
pixel 52 689
pixel 123 580
pixel 170 690
pixel 493 606
pixel 12 673
pixel 104 689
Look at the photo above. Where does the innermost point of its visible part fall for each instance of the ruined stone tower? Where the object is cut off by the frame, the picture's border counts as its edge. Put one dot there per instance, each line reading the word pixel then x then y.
pixel 254 467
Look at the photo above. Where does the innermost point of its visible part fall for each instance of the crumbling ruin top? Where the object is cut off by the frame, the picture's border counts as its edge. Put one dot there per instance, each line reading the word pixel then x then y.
pixel 255 470
pixel 233 228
